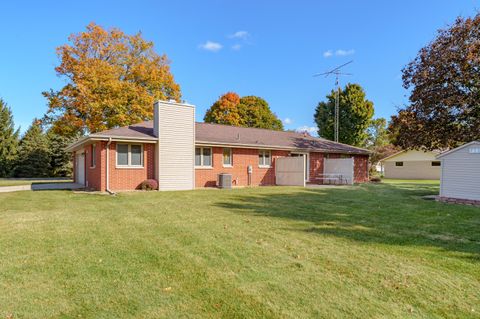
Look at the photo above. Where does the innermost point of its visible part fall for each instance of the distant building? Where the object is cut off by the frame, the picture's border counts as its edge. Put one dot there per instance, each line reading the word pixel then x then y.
pixel 412 164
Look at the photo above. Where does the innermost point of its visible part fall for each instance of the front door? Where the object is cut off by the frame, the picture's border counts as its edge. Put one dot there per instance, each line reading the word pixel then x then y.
pixel 307 164
pixel 80 169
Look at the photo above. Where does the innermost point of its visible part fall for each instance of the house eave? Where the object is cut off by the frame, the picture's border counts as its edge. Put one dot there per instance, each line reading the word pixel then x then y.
pixel 276 147
pixel 79 143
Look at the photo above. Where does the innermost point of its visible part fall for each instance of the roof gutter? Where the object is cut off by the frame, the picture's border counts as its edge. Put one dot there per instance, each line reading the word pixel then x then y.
pixel 282 148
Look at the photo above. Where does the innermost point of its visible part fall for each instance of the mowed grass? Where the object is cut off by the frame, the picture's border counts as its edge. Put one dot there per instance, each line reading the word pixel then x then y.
pixel 366 251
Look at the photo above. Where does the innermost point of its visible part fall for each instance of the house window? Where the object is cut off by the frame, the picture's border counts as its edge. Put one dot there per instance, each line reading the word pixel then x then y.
pixel 264 158
pixel 398 163
pixel 436 163
pixel 227 157
pixel 203 157
pixel 93 156
pixel 130 155
pixel 474 150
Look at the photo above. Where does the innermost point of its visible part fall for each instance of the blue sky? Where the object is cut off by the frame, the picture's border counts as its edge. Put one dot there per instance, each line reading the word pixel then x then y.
pixel 265 48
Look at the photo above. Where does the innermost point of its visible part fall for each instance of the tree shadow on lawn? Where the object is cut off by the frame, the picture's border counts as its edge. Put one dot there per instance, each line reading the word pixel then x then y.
pixel 385 214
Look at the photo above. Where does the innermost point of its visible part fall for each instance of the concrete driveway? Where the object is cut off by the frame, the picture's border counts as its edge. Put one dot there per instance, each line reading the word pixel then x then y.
pixel 40 187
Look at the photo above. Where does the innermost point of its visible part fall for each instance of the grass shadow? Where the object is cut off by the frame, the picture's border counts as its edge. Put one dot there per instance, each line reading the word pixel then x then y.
pixel 383 213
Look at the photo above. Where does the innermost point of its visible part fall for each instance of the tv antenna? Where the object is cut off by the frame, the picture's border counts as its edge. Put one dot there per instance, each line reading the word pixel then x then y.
pixel 337 72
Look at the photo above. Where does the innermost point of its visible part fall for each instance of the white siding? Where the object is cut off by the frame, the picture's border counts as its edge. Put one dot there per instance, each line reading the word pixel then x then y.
pixel 176 146
pixel 412 170
pixel 461 174
pixel 413 155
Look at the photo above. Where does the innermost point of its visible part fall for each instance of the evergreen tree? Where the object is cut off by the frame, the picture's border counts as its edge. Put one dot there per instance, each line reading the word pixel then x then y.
pixel 60 160
pixel 33 155
pixel 8 140
pixel 356 113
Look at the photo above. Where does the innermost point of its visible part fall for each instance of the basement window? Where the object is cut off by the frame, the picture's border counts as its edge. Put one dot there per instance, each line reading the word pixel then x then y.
pixel 398 163
pixel 436 163
pixel 264 158
pixel 129 155
pixel 203 157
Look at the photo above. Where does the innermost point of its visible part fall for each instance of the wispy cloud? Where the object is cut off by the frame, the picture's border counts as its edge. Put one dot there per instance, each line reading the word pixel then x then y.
pixel 236 47
pixel 312 130
pixel 211 46
pixel 239 35
pixel 339 52
pixel 287 121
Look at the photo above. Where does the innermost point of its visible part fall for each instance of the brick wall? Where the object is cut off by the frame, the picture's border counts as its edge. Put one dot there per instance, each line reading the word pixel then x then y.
pixel 130 178
pixel 360 168
pixel 316 167
pixel 95 175
pixel 242 158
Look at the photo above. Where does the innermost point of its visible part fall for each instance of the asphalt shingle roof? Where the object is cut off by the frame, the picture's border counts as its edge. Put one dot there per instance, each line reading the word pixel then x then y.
pixel 224 134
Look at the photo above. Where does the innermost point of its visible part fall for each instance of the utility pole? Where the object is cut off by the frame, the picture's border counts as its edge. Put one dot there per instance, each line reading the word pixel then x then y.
pixel 337 72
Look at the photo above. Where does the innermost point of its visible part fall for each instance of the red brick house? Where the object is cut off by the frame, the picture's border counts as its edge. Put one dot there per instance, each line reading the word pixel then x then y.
pixel 182 154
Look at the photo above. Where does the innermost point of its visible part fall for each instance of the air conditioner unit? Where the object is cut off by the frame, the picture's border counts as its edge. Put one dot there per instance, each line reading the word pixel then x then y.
pixel 225 180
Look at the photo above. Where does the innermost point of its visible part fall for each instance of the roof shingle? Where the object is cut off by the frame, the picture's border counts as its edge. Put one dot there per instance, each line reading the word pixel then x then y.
pixel 231 135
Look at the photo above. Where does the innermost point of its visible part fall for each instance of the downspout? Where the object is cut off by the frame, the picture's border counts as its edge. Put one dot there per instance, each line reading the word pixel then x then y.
pixel 107 187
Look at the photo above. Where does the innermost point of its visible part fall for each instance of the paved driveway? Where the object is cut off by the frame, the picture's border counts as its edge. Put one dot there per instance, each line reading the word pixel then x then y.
pixel 40 187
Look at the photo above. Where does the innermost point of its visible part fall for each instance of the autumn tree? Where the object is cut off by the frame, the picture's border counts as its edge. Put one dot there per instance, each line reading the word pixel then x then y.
pixel 355 115
pixel 33 156
pixel 8 140
pixel 112 80
pixel 444 85
pixel 378 141
pixel 248 111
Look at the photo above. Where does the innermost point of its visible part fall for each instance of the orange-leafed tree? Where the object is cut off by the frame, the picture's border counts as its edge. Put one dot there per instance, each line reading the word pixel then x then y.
pixel 112 80
pixel 247 111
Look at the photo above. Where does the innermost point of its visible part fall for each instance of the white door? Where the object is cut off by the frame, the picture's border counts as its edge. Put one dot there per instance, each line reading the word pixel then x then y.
pixel 307 163
pixel 80 171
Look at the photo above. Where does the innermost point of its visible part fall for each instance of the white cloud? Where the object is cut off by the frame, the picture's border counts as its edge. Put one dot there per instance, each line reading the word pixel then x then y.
pixel 236 47
pixel 341 52
pixel 312 130
pixel 239 35
pixel 287 121
pixel 211 46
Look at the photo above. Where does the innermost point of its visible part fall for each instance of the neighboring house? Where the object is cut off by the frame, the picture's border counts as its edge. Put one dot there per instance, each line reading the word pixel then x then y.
pixel 412 164
pixel 460 181
pixel 182 154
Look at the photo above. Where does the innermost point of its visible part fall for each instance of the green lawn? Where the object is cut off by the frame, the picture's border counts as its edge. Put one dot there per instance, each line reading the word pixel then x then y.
pixel 367 251
pixel 30 181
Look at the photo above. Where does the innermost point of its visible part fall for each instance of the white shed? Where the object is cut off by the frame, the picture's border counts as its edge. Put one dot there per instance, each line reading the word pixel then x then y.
pixel 460 174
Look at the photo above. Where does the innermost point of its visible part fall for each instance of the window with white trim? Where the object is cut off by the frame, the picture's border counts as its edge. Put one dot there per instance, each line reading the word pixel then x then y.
pixel 203 157
pixel 93 156
pixel 264 158
pixel 227 157
pixel 129 155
